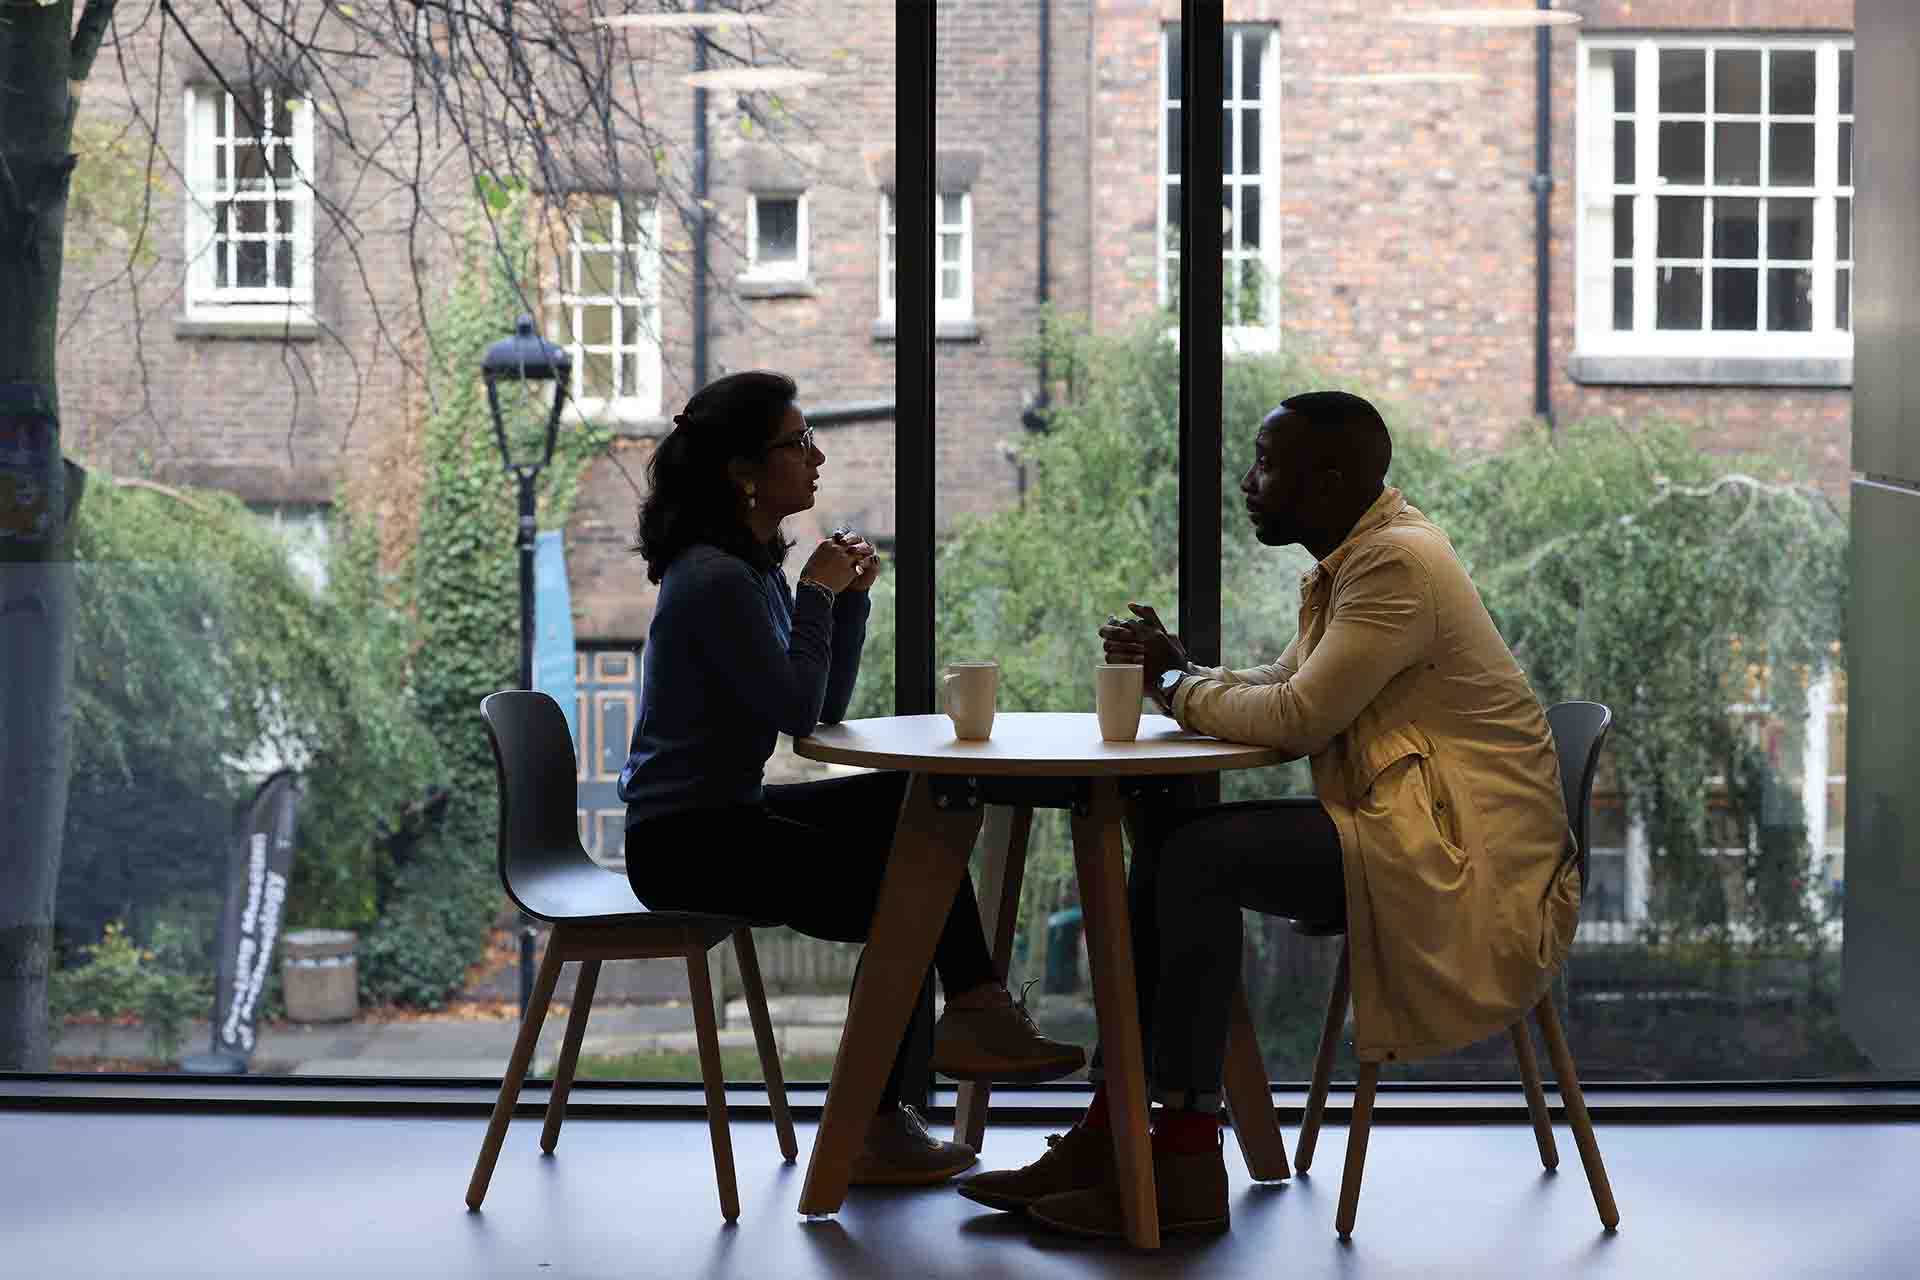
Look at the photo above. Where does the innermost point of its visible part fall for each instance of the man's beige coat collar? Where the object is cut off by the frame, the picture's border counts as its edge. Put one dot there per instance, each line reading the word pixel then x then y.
pixel 1389 504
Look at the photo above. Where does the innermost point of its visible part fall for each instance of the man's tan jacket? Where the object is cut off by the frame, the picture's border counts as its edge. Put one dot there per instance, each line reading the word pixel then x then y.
pixel 1433 757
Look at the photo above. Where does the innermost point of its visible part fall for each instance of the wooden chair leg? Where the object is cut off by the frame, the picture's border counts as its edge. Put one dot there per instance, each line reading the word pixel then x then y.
pixel 1250 1099
pixel 1536 1099
pixel 523 1047
pixel 1007 827
pixel 569 1053
pixel 756 993
pixel 1357 1133
pixel 1323 1065
pixel 707 1031
pixel 1576 1104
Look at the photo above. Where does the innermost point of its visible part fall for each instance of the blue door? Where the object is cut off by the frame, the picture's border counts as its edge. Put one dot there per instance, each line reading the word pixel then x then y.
pixel 607 694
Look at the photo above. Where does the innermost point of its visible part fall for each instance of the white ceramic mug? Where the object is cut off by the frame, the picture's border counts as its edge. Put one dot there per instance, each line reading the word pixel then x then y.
pixel 1117 690
pixel 967 694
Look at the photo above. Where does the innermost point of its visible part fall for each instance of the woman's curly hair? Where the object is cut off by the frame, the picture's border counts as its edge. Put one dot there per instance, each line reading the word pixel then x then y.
pixel 690 494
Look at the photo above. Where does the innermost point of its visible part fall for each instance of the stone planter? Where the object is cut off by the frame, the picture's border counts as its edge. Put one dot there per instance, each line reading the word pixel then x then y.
pixel 320 975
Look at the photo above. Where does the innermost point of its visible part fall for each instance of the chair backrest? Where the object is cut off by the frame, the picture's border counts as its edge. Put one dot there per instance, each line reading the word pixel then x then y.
pixel 1579 731
pixel 542 864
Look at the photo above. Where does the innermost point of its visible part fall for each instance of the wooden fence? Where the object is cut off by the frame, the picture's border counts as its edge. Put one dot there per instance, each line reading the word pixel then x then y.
pixel 791 961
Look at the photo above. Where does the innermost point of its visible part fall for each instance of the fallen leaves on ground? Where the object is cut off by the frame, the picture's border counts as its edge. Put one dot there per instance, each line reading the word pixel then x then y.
pixel 458 1011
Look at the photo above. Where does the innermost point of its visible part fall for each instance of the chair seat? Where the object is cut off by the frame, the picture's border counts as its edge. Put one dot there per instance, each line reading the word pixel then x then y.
pixel 586 893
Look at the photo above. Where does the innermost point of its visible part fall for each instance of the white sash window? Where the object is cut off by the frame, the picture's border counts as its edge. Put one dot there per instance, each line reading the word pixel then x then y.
pixel 250 204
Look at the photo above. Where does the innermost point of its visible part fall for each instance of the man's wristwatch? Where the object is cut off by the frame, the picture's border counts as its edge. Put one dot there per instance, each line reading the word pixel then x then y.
pixel 1169 682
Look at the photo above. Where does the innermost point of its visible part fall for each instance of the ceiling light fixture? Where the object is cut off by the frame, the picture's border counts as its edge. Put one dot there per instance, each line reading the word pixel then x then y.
pixel 1392 77
pixel 683 21
pixel 1489 18
pixel 753 79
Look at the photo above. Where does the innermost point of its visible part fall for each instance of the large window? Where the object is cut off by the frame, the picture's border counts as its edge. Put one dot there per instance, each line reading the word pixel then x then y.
pixel 1717 198
pixel 1680 553
pixel 1250 248
pixel 250 203
pixel 609 293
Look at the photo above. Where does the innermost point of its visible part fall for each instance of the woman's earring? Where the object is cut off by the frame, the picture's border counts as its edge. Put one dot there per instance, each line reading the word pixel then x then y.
pixel 749 495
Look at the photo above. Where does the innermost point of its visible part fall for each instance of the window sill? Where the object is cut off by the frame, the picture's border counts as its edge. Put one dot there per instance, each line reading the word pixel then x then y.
pixel 1711 371
pixel 1660 1102
pixel 943 331
pixel 1237 342
pixel 776 287
pixel 297 327
pixel 627 418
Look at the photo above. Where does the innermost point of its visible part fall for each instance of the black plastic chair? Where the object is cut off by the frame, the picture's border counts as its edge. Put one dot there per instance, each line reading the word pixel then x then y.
pixel 596 917
pixel 1579 730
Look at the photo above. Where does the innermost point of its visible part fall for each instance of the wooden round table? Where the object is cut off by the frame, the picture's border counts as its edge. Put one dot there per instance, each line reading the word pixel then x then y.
pixel 1032 759
pixel 1029 744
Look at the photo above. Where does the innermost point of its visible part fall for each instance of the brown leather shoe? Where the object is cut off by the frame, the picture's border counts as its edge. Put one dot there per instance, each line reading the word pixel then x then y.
pixel 1191 1192
pixel 1000 1044
pixel 1077 1159
pixel 901 1153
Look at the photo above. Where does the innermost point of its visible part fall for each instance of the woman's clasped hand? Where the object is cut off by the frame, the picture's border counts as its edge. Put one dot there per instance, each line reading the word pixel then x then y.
pixel 843 562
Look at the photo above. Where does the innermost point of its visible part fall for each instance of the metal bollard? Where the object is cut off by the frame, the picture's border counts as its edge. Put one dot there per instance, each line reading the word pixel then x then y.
pixel 527 935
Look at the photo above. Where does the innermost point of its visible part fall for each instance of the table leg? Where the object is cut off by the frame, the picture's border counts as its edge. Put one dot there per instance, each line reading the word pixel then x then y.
pixel 930 850
pixel 1006 864
pixel 1103 900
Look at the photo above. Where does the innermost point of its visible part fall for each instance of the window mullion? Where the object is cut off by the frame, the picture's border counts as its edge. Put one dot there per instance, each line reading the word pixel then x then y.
pixel 1826 173
pixel 1593 292
pixel 1646 158
pixel 966 252
pixel 1270 177
pixel 230 191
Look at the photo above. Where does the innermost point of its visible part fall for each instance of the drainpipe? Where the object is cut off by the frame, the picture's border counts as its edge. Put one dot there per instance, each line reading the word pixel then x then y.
pixel 699 208
pixel 1543 219
pixel 1034 416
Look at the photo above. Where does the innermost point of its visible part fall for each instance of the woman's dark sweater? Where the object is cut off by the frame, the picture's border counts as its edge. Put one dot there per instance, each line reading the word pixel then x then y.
pixel 731 661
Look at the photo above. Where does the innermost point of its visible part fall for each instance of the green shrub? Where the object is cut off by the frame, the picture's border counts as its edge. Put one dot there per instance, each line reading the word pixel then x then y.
pixel 119 978
pixel 199 645
pixel 436 886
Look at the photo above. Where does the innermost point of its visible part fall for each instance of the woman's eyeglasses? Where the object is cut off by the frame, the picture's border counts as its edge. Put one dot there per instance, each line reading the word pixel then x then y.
pixel 803 442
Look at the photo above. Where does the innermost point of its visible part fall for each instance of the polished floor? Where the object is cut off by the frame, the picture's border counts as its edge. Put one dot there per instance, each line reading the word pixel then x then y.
pixel 106 1194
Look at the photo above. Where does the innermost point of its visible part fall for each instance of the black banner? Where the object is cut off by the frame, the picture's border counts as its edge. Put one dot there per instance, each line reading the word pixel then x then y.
pixel 257 870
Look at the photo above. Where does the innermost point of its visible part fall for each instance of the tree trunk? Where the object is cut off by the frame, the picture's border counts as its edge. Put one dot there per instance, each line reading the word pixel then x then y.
pixel 39 493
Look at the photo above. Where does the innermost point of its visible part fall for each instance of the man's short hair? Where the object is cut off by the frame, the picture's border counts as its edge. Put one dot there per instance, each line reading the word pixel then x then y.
pixel 1347 433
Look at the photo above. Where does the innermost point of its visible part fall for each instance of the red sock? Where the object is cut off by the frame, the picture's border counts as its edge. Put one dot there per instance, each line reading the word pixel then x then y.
pixel 1096 1117
pixel 1185 1133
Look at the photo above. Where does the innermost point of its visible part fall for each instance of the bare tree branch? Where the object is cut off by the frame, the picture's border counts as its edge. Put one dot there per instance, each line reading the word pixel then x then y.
pixel 87 34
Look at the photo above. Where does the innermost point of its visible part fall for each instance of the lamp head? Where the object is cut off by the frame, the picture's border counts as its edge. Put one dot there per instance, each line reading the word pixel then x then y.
pixel 526 355
pixel 526 358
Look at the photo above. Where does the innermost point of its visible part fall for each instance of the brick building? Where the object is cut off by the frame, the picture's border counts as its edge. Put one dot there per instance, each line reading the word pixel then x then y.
pixel 1381 178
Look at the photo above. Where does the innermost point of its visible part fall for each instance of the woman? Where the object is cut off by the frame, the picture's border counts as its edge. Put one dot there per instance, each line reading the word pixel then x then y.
pixel 734 657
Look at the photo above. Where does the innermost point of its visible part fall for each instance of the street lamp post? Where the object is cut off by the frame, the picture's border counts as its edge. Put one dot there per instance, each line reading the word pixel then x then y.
pixel 526 357
pixel 523 358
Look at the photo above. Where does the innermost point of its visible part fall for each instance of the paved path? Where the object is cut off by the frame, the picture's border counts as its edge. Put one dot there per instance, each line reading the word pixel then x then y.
pixel 460 1044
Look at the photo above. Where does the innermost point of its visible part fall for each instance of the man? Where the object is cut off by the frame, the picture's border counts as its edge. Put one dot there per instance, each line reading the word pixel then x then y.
pixel 1437 831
